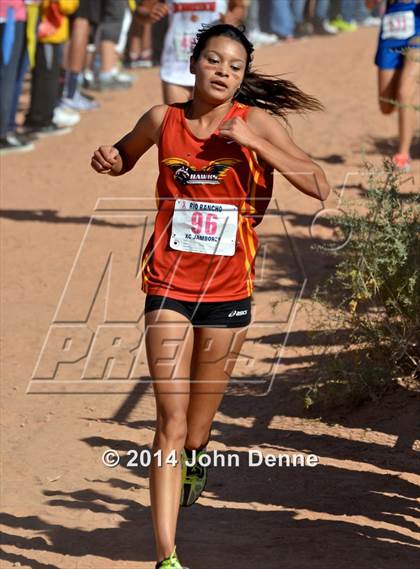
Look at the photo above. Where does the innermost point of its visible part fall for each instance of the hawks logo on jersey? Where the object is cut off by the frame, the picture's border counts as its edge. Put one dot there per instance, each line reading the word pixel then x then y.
pixel 185 174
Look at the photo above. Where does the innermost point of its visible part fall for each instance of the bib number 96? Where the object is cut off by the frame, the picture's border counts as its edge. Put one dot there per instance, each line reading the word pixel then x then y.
pixel 203 227
pixel 210 223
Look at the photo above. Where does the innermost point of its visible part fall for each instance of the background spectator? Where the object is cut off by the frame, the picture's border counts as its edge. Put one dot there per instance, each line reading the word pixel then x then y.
pixel 321 18
pixel 53 32
pixel 286 17
pixel 183 25
pixel 13 51
pixel 344 18
pixel 253 29
pixel 139 52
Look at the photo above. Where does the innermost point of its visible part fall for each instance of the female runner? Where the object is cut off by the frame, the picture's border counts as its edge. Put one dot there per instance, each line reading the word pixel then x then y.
pixel 398 61
pixel 217 153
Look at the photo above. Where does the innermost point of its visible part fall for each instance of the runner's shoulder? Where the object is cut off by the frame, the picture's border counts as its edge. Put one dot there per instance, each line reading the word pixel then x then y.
pixel 155 115
pixel 152 121
pixel 262 121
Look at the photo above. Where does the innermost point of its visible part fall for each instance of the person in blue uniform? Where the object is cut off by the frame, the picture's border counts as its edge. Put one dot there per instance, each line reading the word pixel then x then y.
pixel 398 61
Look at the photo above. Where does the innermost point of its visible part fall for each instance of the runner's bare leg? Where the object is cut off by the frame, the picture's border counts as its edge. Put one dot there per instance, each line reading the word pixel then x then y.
pixel 215 353
pixel 169 345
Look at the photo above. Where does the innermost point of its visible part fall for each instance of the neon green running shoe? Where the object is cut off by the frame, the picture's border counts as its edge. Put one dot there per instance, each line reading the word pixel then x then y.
pixel 194 479
pixel 171 562
pixel 343 26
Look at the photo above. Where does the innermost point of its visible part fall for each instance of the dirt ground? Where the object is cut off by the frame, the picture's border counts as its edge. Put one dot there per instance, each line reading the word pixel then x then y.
pixel 71 239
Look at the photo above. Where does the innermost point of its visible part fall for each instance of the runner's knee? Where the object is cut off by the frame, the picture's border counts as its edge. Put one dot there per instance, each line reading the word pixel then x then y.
pixel 172 429
pixel 197 438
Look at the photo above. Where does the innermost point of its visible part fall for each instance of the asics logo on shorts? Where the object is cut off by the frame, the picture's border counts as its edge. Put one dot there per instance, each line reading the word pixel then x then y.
pixel 237 313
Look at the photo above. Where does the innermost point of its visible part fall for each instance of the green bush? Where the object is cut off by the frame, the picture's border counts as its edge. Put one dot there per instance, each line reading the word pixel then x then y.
pixel 374 295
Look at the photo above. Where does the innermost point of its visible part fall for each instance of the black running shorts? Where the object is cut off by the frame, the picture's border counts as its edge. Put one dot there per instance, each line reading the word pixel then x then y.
pixel 226 314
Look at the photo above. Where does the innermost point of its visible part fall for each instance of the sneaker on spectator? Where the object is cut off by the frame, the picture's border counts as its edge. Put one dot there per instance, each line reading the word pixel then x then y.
pixel 343 25
pixel 48 130
pixel 142 61
pixel 90 82
pixel 303 30
pixel 285 39
pixel 14 142
pixel 126 77
pixel 79 103
pixel 258 37
pixel 25 136
pixel 371 22
pixel 115 82
pixel 65 117
pixel 324 28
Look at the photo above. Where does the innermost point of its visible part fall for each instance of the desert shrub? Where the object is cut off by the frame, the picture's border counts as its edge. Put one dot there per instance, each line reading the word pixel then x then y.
pixel 374 295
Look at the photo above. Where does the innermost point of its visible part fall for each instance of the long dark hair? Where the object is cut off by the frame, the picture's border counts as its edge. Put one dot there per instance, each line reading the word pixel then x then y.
pixel 269 92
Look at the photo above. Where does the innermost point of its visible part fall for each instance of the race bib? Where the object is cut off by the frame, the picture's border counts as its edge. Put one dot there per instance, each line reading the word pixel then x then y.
pixel 398 25
pixel 201 227
pixel 183 46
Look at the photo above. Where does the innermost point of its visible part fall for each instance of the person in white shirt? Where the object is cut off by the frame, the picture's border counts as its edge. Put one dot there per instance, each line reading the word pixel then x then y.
pixel 186 17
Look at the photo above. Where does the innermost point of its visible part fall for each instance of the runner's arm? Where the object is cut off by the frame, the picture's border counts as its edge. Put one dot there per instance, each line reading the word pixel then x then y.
pixel 121 157
pixel 276 147
pixel 263 134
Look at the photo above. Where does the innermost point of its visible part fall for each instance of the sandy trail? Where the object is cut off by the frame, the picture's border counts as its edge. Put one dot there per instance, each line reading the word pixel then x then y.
pixel 61 224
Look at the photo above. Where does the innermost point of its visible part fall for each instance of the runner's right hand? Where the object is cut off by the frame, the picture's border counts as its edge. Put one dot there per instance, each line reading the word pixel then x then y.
pixel 104 158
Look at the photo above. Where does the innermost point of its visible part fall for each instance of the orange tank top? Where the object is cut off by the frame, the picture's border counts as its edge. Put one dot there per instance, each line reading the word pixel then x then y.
pixel 210 196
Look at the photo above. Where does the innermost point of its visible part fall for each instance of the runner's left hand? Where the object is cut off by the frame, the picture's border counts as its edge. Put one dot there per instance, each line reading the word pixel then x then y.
pixel 237 130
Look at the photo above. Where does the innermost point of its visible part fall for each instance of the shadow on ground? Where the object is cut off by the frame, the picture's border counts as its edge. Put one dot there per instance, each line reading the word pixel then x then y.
pixel 355 510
